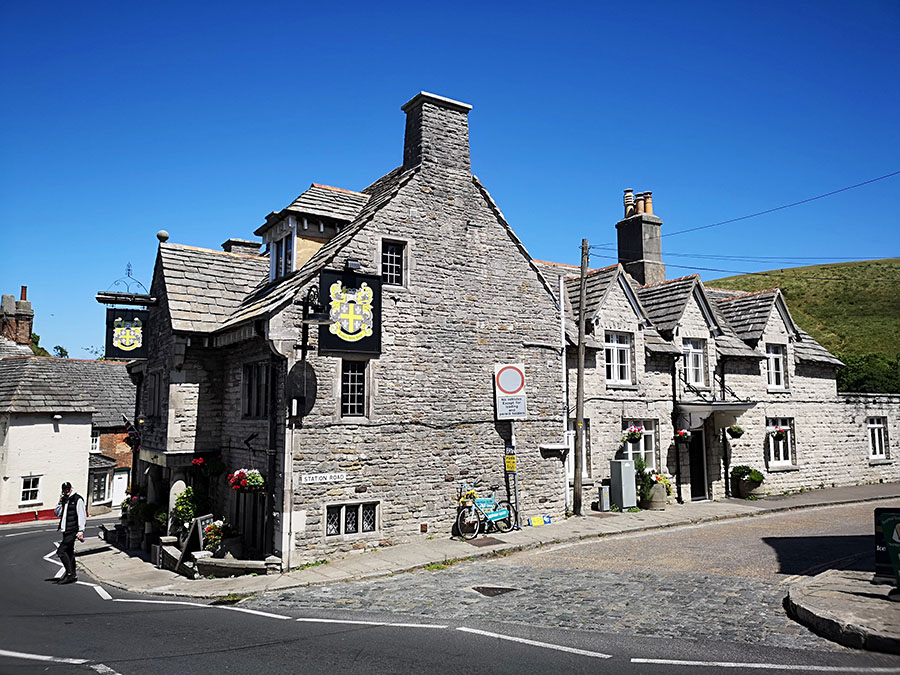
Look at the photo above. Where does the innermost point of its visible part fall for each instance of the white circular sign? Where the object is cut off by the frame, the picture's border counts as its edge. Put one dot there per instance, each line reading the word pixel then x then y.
pixel 510 380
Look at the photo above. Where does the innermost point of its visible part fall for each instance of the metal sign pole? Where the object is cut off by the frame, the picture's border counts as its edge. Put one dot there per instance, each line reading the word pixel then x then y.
pixel 515 473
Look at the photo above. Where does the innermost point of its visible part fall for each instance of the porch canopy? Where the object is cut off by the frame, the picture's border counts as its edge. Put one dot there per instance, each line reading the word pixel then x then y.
pixel 726 412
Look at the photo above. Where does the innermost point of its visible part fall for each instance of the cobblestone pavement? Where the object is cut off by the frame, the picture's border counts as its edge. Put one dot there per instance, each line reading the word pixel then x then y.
pixel 722 581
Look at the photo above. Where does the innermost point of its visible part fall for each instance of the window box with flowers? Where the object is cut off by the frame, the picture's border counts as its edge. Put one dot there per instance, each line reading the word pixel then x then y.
pixel 734 431
pixel 247 480
pixel 633 434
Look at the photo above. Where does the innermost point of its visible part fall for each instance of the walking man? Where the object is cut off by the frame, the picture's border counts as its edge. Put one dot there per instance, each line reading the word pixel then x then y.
pixel 72 517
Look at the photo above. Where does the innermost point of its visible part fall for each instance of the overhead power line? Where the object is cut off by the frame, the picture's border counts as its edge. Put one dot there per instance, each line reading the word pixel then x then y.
pixel 753 258
pixel 777 208
pixel 771 273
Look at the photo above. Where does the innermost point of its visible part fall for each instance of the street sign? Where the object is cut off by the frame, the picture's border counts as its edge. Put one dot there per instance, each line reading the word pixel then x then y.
pixel 510 463
pixel 509 391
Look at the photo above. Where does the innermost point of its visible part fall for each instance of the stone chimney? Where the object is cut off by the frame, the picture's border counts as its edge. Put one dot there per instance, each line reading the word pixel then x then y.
pixel 640 249
pixel 437 133
pixel 242 246
pixel 16 318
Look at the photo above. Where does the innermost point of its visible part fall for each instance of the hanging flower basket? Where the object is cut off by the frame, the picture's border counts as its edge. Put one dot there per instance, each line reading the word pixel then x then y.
pixel 778 433
pixel 735 431
pixel 246 480
pixel 633 434
pixel 683 435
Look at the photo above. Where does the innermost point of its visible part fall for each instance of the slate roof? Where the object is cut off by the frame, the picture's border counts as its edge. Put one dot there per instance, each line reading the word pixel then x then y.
pixel 595 286
pixel 9 348
pixel 42 384
pixel 807 349
pixel 97 461
pixel 665 302
pixel 748 313
pixel 331 202
pixel 204 287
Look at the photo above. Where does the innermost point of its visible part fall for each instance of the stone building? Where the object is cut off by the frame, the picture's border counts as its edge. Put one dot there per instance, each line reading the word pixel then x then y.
pixel 60 420
pixel 350 363
pixel 670 355
pixel 361 439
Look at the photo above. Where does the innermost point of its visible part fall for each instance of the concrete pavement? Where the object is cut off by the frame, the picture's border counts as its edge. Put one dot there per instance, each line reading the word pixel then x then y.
pixel 838 605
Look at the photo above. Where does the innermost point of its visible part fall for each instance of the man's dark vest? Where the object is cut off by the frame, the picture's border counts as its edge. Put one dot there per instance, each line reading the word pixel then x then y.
pixel 71 524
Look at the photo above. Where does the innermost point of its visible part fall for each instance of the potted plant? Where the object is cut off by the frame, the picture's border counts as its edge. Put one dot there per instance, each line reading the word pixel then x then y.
pixel 633 434
pixel 221 539
pixel 683 435
pixel 746 482
pixel 653 488
pixel 247 480
pixel 734 431
pixel 778 433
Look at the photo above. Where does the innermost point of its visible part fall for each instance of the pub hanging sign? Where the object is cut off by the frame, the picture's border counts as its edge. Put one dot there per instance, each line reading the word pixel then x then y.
pixel 126 333
pixel 353 302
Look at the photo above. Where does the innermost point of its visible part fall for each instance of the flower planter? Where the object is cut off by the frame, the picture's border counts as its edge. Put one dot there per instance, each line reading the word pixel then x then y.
pixel 733 433
pixel 743 488
pixel 656 500
pixel 233 546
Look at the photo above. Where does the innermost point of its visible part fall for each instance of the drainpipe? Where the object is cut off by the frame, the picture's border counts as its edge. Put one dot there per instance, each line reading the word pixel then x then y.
pixel 679 498
pixel 565 388
pixel 726 459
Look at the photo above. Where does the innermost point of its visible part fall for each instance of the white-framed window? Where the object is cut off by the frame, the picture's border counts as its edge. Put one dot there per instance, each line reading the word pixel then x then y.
pixel 776 366
pixel 99 488
pixel 646 447
pixel 586 469
pixel 695 361
pixel 393 262
pixel 282 256
pixel 95 441
pixel 31 490
pixel 350 519
pixel 878 438
pixel 618 358
pixel 353 388
pixel 255 390
pixel 780 451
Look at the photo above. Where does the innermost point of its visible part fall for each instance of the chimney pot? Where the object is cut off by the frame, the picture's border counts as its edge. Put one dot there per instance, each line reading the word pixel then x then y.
pixel 648 203
pixel 639 203
pixel 24 293
pixel 629 202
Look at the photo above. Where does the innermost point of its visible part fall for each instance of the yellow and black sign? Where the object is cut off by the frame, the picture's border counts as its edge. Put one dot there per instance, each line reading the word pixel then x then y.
pixel 510 462
pixel 126 331
pixel 354 305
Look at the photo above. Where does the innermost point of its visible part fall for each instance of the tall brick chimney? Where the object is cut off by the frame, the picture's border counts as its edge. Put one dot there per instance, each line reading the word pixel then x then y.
pixel 16 318
pixel 640 249
pixel 437 133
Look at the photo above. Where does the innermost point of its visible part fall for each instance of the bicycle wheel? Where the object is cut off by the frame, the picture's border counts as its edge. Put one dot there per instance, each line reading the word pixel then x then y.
pixel 468 522
pixel 509 522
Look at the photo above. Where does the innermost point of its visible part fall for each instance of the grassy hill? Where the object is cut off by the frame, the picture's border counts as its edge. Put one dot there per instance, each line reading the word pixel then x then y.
pixel 850 317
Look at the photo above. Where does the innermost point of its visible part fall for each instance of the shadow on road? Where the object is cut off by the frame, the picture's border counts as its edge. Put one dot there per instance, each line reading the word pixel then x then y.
pixel 812 555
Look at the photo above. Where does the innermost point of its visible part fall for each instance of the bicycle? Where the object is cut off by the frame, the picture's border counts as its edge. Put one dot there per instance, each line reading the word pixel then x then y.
pixel 475 513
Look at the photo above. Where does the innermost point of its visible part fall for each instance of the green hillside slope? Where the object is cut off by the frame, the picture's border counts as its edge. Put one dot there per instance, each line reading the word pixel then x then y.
pixel 853 316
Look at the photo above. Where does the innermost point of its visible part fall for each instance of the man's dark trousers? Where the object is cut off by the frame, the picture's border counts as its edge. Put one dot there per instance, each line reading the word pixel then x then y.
pixel 66 553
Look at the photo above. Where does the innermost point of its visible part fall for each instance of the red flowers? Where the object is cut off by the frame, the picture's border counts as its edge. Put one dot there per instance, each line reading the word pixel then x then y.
pixel 197 462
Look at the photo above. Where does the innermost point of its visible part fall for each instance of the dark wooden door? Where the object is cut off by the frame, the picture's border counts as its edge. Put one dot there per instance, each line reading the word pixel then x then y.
pixel 698 465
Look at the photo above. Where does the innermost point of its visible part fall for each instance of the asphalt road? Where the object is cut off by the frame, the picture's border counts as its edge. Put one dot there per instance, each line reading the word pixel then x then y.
pixel 437 624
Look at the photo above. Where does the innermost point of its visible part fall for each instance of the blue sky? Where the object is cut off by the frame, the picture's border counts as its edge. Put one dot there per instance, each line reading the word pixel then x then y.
pixel 121 119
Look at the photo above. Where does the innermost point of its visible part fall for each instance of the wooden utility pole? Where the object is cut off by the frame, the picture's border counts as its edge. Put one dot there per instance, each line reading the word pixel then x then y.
pixel 579 392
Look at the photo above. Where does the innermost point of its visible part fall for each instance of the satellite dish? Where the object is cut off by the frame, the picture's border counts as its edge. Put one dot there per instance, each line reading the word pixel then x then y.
pixel 302 385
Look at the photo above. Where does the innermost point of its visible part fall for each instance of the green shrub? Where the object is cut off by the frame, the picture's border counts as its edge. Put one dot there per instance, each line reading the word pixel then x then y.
pixel 744 472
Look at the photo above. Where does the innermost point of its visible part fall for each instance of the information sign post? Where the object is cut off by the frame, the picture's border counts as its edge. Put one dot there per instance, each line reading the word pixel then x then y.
pixel 512 473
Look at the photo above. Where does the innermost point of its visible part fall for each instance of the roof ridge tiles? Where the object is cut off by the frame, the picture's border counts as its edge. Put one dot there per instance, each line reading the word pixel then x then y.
pixel 187 247
pixel 671 281
pixel 338 189
pixel 749 294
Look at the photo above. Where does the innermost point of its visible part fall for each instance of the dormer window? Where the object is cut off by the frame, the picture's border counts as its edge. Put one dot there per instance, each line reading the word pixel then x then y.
pixel 283 256
pixel 695 361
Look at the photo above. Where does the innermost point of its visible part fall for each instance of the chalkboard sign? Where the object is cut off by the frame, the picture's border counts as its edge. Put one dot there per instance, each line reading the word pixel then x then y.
pixel 884 571
pixel 195 534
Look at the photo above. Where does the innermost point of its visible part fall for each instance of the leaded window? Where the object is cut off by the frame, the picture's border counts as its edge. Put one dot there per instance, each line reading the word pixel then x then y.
pixel 392 254
pixel 349 519
pixel 353 388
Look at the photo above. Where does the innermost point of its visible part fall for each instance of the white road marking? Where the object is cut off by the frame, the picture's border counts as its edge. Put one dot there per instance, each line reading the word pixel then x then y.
pixel 19 534
pixel 41 657
pixel 534 643
pixel 104 670
pixel 769 666
pixel 371 623
pixel 250 611
pixel 163 602
pixel 100 590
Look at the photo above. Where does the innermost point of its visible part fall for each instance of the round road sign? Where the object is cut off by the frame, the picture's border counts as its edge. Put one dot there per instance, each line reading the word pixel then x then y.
pixel 510 380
